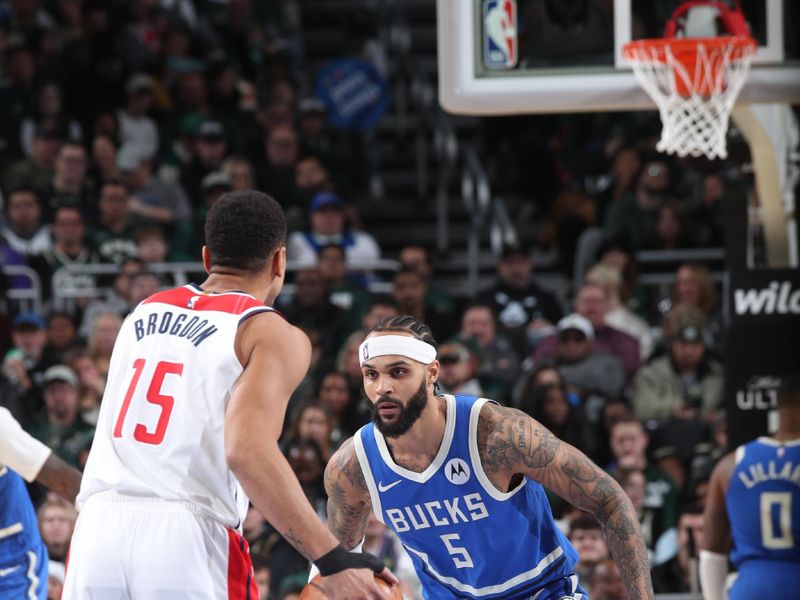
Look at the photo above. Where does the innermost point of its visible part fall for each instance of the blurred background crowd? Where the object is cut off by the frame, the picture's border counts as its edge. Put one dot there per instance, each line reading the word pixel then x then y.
pixel 123 122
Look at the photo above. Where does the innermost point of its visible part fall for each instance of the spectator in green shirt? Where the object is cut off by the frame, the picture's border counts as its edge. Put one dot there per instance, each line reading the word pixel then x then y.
pixel 62 428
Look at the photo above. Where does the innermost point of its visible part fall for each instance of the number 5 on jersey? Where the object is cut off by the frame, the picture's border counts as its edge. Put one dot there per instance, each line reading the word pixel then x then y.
pixel 460 556
pixel 154 396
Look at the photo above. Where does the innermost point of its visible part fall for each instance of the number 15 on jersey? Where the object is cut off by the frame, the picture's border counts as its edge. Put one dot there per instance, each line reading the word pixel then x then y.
pixel 162 370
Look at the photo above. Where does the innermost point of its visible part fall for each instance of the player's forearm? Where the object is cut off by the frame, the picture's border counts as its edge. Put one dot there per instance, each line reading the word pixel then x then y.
pixel 272 487
pixel 587 487
pixel 626 543
pixel 60 478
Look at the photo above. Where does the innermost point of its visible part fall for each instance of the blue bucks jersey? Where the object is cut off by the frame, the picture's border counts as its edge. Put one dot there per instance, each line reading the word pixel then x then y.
pixel 19 529
pixel 23 556
pixel 466 538
pixel 763 505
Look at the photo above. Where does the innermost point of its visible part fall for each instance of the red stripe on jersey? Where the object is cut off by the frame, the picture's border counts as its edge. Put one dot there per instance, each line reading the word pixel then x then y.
pixel 241 582
pixel 184 297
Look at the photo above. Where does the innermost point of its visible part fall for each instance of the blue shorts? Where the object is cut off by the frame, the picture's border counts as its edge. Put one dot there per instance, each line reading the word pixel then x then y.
pixel 757 577
pixel 27 577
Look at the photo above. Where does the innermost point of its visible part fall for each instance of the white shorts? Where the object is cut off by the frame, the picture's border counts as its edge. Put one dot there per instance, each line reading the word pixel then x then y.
pixel 130 548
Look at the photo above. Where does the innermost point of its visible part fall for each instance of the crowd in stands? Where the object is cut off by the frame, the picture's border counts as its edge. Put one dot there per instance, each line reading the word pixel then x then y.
pixel 123 122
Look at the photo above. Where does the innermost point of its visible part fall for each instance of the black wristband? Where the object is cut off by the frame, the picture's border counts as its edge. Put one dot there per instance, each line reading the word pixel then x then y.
pixel 340 559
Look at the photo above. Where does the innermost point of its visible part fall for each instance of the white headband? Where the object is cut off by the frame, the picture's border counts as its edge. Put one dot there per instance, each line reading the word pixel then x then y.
pixel 403 345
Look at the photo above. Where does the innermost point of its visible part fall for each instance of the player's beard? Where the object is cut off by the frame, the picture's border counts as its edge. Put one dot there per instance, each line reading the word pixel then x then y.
pixel 407 416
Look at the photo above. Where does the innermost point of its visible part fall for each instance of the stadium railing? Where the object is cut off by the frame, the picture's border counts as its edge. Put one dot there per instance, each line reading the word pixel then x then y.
pixel 65 295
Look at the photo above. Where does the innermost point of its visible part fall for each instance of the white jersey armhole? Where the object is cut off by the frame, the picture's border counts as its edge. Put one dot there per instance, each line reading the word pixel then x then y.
pixel 739 454
pixel 361 454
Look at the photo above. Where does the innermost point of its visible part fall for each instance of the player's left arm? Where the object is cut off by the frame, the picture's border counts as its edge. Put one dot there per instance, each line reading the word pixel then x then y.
pixel 716 532
pixel 512 443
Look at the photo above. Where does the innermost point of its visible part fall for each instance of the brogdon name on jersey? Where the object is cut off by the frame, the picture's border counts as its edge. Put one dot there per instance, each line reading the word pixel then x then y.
pixel 160 429
pixel 466 538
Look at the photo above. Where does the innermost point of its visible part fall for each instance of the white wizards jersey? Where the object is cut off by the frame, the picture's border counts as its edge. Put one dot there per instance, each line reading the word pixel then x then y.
pixel 161 424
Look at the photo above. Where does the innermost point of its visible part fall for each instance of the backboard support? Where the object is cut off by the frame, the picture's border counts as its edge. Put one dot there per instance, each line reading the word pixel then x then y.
pixel 592 82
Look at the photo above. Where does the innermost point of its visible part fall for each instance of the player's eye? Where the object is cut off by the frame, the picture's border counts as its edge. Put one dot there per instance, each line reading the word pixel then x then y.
pixel 398 372
pixel 370 374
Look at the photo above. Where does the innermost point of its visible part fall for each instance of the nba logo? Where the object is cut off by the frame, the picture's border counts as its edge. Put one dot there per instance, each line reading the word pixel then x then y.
pixel 500 34
pixel 365 352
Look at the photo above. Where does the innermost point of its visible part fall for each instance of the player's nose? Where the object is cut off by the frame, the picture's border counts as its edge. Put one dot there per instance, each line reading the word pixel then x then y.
pixel 384 385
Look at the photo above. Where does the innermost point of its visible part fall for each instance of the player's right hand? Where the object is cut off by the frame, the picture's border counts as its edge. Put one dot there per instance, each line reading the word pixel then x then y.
pixel 356 584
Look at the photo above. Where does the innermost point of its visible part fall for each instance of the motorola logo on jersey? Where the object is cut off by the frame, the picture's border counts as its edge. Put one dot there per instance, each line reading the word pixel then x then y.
pixel 457 471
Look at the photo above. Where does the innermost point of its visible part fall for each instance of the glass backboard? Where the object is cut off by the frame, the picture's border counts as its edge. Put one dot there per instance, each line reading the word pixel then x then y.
pixel 529 56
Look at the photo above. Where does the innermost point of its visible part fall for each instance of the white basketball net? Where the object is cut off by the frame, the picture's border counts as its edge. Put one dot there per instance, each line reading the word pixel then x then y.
pixel 694 123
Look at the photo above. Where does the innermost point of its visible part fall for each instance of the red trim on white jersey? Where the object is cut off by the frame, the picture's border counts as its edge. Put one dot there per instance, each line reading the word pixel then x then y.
pixel 241 581
pixel 235 303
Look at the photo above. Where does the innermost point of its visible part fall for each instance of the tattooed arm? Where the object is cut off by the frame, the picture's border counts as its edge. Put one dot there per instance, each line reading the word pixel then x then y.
pixel 513 445
pixel 349 503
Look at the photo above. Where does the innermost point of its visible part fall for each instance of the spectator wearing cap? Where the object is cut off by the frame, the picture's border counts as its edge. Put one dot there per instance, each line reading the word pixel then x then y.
pixel 69 248
pixel 62 429
pixel 583 365
pixel 70 185
pixel 328 227
pixel 135 125
pixel 686 383
pixel 524 309
pixel 591 303
pixel 458 370
pixel 25 363
pixel 112 238
pixel 635 213
pixel 500 366
pixel 153 202
pixel 181 148
pixel 36 171
pixel 211 152
pixel 25 231
pixel 317 139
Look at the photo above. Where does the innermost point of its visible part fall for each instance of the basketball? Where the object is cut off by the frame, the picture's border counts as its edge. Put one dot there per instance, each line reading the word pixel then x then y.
pixel 315 590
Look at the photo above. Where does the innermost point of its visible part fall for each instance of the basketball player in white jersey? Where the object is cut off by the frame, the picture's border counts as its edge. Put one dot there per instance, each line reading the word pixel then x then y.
pixel 198 384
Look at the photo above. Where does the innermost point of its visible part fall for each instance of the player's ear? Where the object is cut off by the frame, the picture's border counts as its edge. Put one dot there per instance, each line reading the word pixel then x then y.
pixel 433 372
pixel 206 259
pixel 279 263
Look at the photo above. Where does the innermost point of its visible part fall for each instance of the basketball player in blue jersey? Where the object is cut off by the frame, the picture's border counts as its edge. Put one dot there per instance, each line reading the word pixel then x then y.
pixel 23 555
pixel 753 510
pixel 459 480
